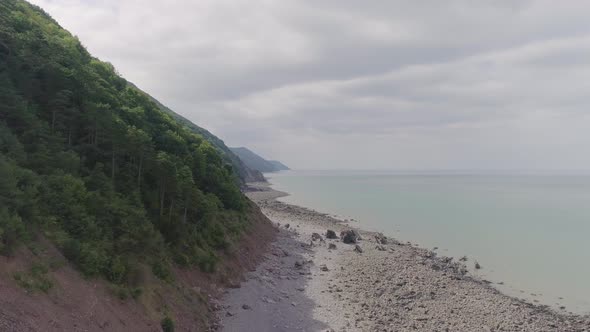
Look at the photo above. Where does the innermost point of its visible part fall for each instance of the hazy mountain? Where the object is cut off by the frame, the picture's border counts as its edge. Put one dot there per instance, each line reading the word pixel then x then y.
pixel 254 161
pixel 279 166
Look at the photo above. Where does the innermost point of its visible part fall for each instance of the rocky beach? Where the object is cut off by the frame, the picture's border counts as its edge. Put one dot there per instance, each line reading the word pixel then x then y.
pixel 321 274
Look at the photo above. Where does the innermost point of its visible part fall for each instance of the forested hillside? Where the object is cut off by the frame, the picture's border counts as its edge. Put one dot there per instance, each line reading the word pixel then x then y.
pixel 245 173
pixel 92 163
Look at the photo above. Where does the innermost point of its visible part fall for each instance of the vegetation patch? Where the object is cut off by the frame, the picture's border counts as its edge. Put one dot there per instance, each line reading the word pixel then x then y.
pixel 167 324
pixel 35 279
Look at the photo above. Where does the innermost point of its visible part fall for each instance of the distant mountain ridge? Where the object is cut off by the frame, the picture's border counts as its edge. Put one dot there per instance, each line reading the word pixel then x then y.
pixel 256 162
pixel 279 166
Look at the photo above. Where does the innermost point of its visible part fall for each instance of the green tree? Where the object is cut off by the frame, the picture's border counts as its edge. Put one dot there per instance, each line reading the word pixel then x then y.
pixel 141 146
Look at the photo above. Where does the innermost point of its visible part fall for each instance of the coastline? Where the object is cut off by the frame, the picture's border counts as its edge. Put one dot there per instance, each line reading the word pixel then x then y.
pixel 303 285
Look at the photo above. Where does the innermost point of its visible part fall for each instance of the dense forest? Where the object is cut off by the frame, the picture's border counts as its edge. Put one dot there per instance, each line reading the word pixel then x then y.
pixel 92 163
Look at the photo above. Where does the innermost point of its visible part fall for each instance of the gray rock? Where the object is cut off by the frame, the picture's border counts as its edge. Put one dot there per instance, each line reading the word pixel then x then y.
pixel 330 234
pixel 358 249
pixel 316 237
pixel 380 238
pixel 299 264
pixel 332 246
pixel 267 300
pixel 349 237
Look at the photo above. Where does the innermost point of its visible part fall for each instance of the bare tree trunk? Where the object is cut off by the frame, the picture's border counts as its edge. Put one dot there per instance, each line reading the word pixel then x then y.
pixel 162 193
pixel 95 132
pixel 139 173
pixel 170 211
pixel 113 167
pixel 52 122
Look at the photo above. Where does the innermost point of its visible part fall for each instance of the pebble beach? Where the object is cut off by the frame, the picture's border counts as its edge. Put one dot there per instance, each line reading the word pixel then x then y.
pixel 355 280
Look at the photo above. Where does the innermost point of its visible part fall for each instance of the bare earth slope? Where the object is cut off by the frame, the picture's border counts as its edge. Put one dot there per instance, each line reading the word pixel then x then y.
pixel 387 287
pixel 77 304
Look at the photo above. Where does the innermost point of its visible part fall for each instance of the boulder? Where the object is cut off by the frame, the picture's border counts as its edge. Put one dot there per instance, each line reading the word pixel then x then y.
pixel 324 268
pixel 332 246
pixel 477 266
pixel 349 237
pixel 316 237
pixel 330 234
pixel 380 248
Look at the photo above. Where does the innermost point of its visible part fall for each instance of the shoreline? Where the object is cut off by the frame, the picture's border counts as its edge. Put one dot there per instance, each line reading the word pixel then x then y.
pixel 303 285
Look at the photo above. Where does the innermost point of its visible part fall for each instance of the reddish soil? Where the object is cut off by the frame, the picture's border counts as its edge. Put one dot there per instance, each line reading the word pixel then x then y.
pixel 78 304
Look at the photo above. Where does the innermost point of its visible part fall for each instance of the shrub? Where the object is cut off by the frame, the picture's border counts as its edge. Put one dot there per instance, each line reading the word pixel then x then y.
pixel 136 292
pixel 34 279
pixel 161 270
pixel 117 272
pixel 121 292
pixel 207 260
pixel 12 229
pixel 181 259
pixel 167 324
pixel 90 258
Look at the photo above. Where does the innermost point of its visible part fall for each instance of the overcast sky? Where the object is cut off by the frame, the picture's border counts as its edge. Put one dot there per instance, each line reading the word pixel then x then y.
pixel 322 84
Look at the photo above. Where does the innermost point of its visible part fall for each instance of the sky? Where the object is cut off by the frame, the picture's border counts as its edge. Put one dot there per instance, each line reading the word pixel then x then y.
pixel 347 84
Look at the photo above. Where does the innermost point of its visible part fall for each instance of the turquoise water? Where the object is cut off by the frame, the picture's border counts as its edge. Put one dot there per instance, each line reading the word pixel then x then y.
pixel 531 232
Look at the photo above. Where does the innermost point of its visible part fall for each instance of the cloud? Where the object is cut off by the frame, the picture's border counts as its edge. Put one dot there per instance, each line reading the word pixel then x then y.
pixel 349 84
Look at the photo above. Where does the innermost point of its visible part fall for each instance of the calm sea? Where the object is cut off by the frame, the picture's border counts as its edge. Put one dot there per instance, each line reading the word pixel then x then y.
pixel 530 232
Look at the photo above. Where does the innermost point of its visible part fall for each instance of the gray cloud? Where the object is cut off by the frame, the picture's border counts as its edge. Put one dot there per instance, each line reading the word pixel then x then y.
pixel 351 84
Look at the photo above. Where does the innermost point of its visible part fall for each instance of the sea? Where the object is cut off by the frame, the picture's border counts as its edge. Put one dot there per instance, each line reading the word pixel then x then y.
pixel 530 232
